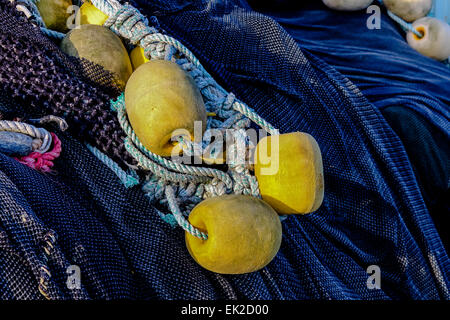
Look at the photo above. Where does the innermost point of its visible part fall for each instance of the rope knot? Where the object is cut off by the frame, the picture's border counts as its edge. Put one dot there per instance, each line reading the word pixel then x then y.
pixel 43 161
pixel 129 23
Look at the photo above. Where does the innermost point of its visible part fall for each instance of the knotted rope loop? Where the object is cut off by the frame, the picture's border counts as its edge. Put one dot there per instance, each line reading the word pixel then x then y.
pixel 30 130
pixel 140 150
pixel 129 23
pixel 179 217
pixel 43 161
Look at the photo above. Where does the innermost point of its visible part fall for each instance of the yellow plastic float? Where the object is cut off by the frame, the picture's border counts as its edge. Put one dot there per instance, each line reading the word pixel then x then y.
pixel 409 10
pixel 89 14
pixel 289 171
pixel 161 98
pixel 54 13
pixel 101 46
pixel 244 234
pixel 435 42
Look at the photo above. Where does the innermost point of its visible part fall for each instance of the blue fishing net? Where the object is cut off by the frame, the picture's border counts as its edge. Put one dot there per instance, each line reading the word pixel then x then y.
pixel 373 211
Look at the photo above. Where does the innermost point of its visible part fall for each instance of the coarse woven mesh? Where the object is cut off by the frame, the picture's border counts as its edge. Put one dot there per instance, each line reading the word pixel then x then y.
pixel 373 212
pixel 36 74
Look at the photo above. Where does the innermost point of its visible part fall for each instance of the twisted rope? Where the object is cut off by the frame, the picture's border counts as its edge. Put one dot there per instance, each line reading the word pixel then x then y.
pixel 30 130
pixel 405 25
pixel 129 180
pixel 170 194
pixel 119 106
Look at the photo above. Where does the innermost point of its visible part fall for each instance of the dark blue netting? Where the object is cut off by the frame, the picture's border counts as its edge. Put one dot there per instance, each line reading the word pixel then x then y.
pixel 373 212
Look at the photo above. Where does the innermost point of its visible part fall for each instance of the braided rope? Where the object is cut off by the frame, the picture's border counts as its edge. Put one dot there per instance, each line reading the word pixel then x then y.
pixel 53 34
pixel 30 130
pixel 161 171
pixel 29 8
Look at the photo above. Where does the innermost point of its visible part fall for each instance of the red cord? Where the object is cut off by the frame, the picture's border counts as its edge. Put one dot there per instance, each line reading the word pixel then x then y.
pixel 43 161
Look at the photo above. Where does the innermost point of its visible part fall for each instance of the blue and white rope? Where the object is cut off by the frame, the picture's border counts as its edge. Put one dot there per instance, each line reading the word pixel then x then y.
pixel 127 22
pixel 30 130
pixel 192 183
pixel 405 25
pixel 129 180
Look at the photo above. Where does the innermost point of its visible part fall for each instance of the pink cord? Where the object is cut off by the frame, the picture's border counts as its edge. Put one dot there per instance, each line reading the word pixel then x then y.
pixel 43 161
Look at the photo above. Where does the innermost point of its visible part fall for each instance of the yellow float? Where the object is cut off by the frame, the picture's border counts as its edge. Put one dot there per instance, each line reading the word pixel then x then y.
pixel 160 99
pixel 289 171
pixel 435 42
pixel 244 234
pixel 138 57
pixel 99 45
pixel 54 13
pixel 89 14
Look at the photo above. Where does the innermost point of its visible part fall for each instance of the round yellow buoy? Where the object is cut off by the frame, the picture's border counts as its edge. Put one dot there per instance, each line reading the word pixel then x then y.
pixel 244 234
pixel 89 14
pixel 138 57
pixel 54 13
pixel 289 171
pixel 409 10
pixel 435 42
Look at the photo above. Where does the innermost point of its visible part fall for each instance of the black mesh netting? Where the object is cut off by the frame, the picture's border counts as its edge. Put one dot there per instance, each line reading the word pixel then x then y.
pixel 36 74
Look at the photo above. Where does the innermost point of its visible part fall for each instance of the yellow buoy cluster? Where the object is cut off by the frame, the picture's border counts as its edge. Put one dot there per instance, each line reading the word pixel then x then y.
pixel 435 40
pixel 91 41
pixel 244 232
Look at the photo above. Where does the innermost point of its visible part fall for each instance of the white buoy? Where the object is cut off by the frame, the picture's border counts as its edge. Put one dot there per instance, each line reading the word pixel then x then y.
pixel 347 5
pixel 435 42
pixel 409 10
